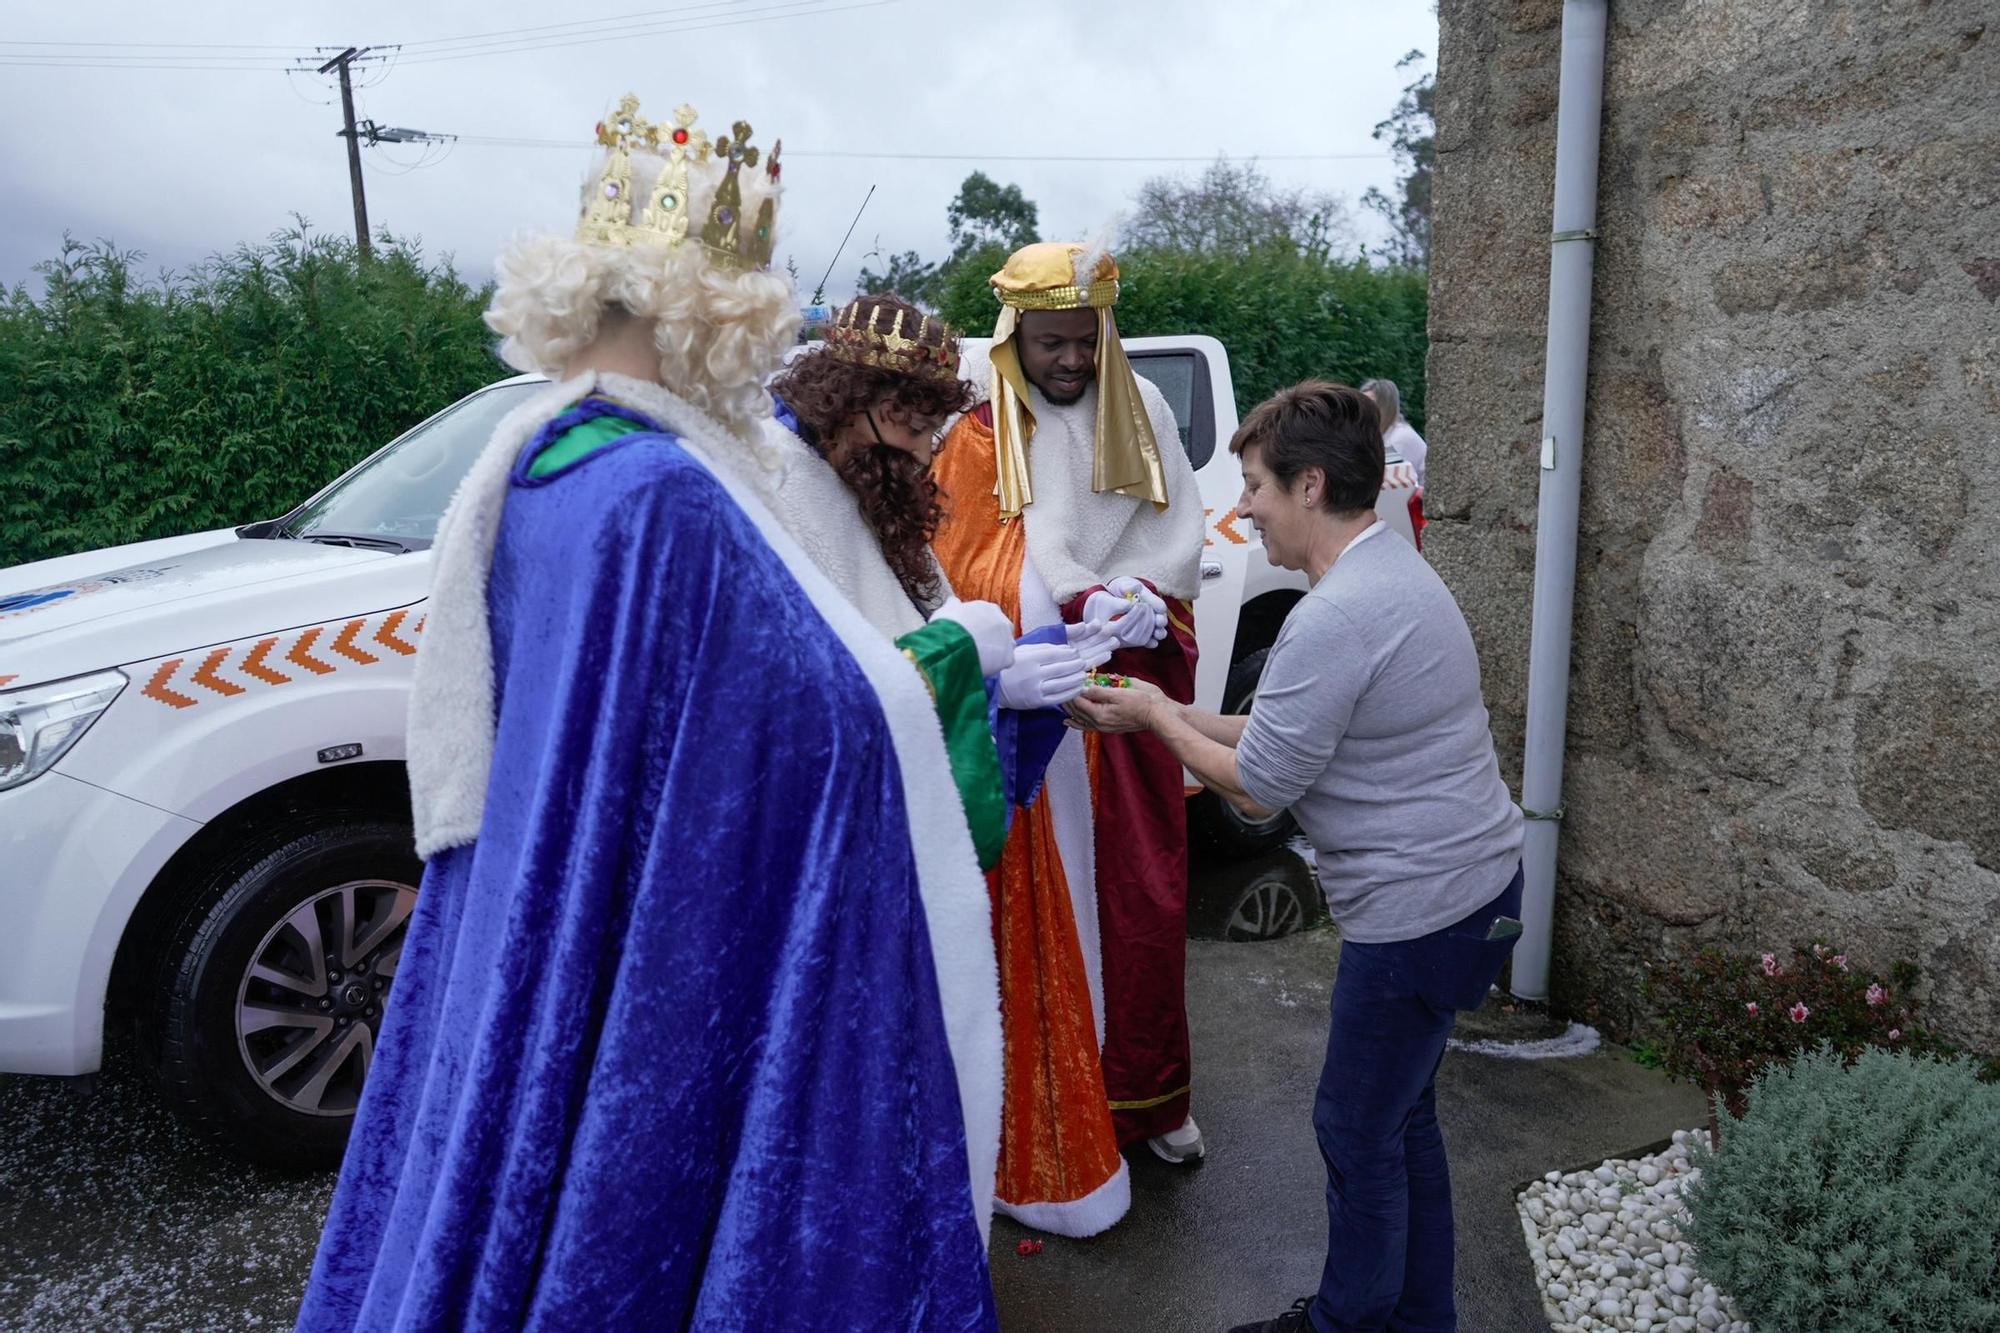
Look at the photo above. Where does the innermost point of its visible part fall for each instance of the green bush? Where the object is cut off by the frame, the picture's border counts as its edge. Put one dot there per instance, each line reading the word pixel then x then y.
pixel 1724 1017
pixel 1857 1200
pixel 132 409
pixel 1281 315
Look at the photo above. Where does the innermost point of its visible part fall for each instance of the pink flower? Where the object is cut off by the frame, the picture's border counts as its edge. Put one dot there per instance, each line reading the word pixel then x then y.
pixel 1840 961
pixel 1876 995
pixel 1771 968
pixel 1895 1034
pixel 1798 1013
pixel 1819 951
pixel 1751 1008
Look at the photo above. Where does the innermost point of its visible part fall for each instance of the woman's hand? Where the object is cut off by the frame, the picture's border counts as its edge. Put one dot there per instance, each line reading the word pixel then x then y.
pixel 1135 707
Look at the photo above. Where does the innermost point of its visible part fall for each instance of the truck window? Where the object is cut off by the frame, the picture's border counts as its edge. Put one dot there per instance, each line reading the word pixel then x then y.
pixel 401 492
pixel 1182 377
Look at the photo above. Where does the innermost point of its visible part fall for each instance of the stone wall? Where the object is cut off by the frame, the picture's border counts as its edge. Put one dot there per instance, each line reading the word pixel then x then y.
pixel 1785 691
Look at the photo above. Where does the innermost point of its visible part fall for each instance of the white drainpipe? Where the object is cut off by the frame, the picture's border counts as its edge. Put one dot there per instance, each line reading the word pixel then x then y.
pixel 1579 112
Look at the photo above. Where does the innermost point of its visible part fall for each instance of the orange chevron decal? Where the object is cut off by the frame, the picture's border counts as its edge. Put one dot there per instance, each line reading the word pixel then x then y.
pixel 5 679
pixel 300 647
pixel 204 675
pixel 343 643
pixel 156 688
pixel 253 665
pixel 386 635
pixel 420 623
pixel 1226 525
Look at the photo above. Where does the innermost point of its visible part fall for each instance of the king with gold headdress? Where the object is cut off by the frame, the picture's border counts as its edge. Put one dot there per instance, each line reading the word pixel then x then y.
pixel 1072 501
pixel 600 1101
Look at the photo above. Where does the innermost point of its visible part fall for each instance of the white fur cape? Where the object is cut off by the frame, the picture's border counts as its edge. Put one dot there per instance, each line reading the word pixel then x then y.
pixel 452 724
pixel 819 509
pixel 1080 538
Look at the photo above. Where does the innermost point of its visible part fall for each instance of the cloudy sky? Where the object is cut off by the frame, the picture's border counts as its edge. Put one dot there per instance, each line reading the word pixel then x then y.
pixel 174 130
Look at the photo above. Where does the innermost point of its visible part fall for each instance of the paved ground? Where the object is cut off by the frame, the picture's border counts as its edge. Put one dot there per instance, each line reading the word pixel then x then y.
pixel 111 1217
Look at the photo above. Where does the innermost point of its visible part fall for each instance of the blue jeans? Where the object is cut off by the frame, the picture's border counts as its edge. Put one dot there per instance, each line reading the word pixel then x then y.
pixel 1388 1191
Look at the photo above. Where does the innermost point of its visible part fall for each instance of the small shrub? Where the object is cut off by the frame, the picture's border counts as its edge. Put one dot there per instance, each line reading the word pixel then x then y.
pixel 1857 1200
pixel 1725 1017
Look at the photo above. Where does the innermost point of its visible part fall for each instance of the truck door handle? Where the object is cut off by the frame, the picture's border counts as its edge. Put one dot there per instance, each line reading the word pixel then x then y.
pixel 1211 569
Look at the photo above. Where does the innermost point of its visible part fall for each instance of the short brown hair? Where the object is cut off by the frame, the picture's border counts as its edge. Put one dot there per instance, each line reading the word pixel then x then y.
pixel 1317 423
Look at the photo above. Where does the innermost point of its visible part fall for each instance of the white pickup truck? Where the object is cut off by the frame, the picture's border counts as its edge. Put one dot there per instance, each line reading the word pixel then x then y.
pixel 204 820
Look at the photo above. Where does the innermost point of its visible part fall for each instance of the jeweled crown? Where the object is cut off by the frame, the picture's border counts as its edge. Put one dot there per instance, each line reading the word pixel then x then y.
pixel 926 348
pixel 641 195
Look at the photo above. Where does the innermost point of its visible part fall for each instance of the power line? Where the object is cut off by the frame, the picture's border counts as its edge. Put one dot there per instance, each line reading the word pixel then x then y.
pixel 574 23
pixel 576 145
pixel 769 13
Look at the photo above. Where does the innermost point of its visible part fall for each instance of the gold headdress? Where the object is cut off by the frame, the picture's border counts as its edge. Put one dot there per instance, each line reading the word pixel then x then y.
pixel 929 350
pixel 674 162
pixel 1057 275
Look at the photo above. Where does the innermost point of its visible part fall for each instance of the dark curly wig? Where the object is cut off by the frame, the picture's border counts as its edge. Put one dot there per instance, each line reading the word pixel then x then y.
pixel 827 387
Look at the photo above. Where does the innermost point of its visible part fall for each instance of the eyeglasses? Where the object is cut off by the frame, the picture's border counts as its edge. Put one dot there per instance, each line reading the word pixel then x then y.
pixel 937 435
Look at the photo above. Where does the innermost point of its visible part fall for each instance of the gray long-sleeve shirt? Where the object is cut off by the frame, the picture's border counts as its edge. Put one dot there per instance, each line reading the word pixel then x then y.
pixel 1370 726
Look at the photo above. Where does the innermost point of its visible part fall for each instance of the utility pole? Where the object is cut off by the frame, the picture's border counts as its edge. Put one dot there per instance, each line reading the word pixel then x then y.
pixel 342 62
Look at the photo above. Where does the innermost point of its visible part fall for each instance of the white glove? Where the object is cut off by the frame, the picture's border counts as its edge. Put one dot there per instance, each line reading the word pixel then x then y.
pixel 1043 675
pixel 1094 643
pixel 992 632
pixel 1127 586
pixel 1131 622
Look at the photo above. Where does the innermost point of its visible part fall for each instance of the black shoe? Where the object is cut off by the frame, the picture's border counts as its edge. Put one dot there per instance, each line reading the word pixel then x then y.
pixel 1291 1321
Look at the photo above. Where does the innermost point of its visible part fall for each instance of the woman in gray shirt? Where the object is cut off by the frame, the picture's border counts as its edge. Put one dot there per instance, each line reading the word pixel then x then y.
pixel 1369 726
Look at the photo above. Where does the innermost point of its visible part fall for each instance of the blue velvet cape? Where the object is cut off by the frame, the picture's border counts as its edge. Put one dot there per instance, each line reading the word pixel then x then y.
pixel 666 1049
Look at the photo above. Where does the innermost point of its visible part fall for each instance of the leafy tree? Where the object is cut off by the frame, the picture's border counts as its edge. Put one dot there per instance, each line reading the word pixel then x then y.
pixel 906 275
pixel 1411 134
pixel 985 217
pixel 1233 208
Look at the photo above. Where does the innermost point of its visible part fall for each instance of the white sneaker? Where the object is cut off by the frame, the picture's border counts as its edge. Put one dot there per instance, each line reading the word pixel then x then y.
pixel 1180 1146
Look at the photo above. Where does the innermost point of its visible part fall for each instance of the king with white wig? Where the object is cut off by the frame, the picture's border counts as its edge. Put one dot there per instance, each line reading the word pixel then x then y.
pixel 697 1022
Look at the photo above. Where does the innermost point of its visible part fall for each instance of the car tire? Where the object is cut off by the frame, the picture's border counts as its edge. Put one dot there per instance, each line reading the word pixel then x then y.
pixel 1217 825
pixel 269 990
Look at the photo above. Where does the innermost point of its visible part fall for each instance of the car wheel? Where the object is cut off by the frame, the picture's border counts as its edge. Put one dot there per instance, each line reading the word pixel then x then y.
pixel 1217 824
pixel 271 990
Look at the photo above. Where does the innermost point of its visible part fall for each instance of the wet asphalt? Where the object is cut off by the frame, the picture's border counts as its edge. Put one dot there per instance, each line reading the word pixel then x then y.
pixel 114 1217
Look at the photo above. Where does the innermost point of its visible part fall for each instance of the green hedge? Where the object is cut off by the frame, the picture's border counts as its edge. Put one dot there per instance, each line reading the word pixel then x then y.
pixel 1283 317
pixel 132 409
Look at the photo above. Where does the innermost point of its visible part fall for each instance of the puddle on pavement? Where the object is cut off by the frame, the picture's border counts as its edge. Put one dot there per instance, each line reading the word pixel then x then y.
pixel 1263 897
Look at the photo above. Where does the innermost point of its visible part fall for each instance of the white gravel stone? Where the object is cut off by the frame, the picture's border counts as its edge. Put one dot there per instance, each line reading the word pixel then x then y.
pixel 1608 1249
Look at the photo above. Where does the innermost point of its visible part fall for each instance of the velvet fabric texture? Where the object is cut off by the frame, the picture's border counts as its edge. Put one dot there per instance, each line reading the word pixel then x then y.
pixel 1139 804
pixel 666 1048
pixel 1059 1167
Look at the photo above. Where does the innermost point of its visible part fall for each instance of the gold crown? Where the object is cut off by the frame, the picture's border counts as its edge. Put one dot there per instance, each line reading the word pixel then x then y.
pixel 853 338
pixel 614 214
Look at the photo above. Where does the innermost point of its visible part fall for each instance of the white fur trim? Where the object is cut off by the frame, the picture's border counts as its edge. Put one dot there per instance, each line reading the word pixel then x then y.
pixel 1081 538
pixel 452 728
pixel 451 720
pixel 1066 788
pixel 1096 1211
pixel 819 509
pixel 956 907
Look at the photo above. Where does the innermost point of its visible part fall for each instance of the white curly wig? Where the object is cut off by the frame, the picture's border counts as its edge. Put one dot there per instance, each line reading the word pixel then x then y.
pixel 720 332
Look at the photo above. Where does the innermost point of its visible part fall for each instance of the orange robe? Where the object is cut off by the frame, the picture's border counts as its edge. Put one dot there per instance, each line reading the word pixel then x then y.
pixel 1060 1167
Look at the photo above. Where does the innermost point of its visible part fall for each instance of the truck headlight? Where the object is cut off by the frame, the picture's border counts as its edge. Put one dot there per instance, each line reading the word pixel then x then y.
pixel 38 725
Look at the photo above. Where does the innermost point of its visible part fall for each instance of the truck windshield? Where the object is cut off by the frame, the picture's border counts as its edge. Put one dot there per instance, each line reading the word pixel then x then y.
pixel 401 492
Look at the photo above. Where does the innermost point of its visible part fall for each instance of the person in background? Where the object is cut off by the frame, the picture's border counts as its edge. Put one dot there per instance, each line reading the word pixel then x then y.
pixel 1369 726
pixel 1398 435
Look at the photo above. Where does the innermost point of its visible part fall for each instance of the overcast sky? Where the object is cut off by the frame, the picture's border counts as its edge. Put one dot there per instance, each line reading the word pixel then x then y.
pixel 181 162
